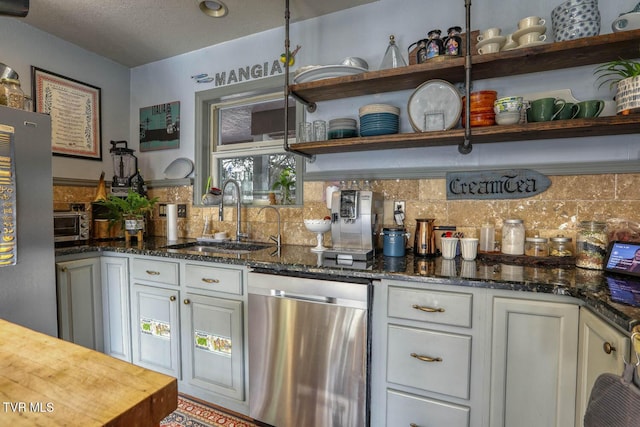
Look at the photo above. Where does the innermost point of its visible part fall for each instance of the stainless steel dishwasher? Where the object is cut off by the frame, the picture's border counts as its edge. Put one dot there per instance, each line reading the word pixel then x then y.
pixel 308 351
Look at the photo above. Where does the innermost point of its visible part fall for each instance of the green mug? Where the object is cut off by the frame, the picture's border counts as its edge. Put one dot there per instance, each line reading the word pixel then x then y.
pixel 545 109
pixel 569 111
pixel 590 109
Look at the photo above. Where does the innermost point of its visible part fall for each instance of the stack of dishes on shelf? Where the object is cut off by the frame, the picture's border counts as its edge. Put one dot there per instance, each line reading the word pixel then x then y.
pixel 343 128
pixel 575 19
pixel 531 32
pixel 379 119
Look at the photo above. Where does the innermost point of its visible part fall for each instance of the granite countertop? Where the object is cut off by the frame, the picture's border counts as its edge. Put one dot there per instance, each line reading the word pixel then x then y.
pixel 590 286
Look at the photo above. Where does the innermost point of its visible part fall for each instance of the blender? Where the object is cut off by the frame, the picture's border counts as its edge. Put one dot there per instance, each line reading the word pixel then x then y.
pixel 125 166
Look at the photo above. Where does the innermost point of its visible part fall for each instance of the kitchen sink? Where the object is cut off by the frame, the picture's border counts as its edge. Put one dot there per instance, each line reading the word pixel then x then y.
pixel 226 247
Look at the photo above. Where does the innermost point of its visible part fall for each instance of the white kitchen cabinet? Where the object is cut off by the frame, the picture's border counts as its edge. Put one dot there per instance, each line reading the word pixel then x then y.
pixel 155 328
pixel 212 346
pixel 533 363
pixel 80 302
pixel 116 312
pixel 602 349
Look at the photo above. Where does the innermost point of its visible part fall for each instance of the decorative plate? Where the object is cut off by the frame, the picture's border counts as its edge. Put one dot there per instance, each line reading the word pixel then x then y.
pixel 179 168
pixel 327 72
pixel 434 105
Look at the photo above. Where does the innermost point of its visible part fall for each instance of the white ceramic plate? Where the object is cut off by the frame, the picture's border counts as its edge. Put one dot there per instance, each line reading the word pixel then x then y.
pixel 532 29
pixel 498 39
pixel 540 43
pixel 440 101
pixel 327 72
pixel 179 168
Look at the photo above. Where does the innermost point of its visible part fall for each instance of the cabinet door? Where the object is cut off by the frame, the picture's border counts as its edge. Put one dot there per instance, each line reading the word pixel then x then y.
pixel 602 349
pixel 115 307
pixel 213 345
pixel 155 329
pixel 80 302
pixel 533 363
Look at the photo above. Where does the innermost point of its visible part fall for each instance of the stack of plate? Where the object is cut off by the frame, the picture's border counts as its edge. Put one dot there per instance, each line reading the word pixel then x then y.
pixel 343 128
pixel 379 119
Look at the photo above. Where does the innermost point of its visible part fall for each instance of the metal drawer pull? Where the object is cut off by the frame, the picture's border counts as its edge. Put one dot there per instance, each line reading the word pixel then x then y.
pixel 608 348
pixel 413 425
pixel 153 273
pixel 205 280
pixel 426 358
pixel 428 309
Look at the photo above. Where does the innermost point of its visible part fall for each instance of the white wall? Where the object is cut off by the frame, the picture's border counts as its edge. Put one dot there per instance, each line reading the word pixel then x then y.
pixel 24 46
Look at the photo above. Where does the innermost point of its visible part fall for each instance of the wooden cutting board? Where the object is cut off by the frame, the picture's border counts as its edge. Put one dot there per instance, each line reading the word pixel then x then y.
pixel 48 381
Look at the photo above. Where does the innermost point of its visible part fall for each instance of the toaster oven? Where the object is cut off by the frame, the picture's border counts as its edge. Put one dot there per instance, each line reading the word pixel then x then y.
pixel 70 226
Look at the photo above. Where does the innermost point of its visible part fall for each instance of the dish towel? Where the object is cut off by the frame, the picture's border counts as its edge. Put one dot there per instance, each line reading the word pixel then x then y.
pixel 615 400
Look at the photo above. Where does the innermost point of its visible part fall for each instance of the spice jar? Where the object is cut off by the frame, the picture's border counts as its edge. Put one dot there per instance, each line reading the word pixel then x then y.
pixel 591 245
pixel 513 237
pixel 560 246
pixel 13 93
pixel 536 246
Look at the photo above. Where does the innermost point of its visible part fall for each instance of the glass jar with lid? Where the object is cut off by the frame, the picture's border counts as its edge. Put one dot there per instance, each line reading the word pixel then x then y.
pixel 560 246
pixel 536 246
pixel 513 237
pixel 591 245
pixel 13 92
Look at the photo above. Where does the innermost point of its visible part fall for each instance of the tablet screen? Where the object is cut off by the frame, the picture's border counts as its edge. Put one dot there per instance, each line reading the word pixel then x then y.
pixel 623 258
pixel 624 290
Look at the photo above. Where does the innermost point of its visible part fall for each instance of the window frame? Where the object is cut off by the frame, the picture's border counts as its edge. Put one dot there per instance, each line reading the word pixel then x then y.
pixel 206 124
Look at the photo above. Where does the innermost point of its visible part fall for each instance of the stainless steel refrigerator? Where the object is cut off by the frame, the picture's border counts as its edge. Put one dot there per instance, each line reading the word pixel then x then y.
pixel 27 267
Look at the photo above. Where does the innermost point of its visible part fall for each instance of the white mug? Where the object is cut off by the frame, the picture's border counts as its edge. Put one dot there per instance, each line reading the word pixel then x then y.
pixel 531 38
pixel 530 21
pixel 489 33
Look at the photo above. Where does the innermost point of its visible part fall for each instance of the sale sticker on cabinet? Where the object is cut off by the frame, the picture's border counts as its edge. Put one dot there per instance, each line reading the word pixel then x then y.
pixel 212 343
pixel 156 328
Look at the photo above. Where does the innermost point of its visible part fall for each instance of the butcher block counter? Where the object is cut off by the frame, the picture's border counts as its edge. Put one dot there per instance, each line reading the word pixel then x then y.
pixel 48 381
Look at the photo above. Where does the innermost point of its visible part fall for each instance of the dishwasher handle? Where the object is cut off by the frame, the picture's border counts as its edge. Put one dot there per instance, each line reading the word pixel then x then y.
pixel 311 298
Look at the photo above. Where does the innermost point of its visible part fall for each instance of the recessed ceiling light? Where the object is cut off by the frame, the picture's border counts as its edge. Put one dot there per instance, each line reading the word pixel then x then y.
pixel 215 9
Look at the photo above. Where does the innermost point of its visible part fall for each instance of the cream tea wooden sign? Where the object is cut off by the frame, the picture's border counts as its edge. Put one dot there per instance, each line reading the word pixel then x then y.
pixel 498 184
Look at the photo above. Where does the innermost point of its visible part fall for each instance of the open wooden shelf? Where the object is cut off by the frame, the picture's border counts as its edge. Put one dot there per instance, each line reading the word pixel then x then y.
pixel 615 125
pixel 547 57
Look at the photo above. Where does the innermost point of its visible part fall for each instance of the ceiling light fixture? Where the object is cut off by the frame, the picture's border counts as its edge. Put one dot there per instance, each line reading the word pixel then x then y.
pixel 215 9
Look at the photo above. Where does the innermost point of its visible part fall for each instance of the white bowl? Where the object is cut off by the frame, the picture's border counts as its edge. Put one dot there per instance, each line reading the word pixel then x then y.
pixel 318 225
pixel 508 118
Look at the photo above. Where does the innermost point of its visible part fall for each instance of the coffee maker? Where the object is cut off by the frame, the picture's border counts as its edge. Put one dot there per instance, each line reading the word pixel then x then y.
pixel 356 225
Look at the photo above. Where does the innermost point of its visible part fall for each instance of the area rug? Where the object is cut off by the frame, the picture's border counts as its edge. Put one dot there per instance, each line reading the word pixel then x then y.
pixel 191 413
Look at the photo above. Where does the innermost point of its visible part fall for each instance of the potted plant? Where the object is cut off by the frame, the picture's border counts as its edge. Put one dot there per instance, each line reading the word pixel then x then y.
pixel 286 181
pixel 130 210
pixel 624 74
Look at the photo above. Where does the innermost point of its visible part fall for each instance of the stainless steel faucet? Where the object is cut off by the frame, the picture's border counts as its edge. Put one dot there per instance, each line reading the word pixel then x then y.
pixel 277 238
pixel 239 235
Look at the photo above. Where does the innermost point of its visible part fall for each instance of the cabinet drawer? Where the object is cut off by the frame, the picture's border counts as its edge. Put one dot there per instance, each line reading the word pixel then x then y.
pixel 448 308
pixel 155 271
pixel 214 278
pixel 408 410
pixel 408 350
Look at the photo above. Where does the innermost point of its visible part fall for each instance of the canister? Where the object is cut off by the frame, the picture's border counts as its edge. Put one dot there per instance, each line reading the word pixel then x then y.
pixel 591 245
pixel 513 237
pixel 393 241
pixel 560 246
pixel 536 246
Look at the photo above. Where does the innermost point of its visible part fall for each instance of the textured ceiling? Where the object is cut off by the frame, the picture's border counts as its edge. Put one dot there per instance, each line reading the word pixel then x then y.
pixel 137 32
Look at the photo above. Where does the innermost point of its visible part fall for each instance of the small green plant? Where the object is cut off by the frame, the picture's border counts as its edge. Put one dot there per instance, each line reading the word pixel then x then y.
pixel 286 181
pixel 614 71
pixel 134 206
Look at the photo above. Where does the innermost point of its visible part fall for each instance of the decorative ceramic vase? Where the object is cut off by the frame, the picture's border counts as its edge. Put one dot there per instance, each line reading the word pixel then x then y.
pixel 628 96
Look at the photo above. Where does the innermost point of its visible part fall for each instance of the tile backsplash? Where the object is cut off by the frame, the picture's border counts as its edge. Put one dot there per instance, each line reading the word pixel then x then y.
pixel 569 200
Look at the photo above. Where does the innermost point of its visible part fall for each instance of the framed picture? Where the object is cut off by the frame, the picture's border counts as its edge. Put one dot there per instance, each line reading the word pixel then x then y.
pixel 160 127
pixel 75 113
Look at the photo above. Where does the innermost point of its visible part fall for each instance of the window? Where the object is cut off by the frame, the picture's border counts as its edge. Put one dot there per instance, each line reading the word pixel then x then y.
pixel 240 136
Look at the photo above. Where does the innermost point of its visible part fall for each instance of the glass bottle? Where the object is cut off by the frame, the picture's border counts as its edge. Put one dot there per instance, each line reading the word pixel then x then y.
pixel 453 42
pixel 487 237
pixel 591 245
pixel 14 94
pixel 513 237
pixel 392 57
pixel 434 45
pixel 560 246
